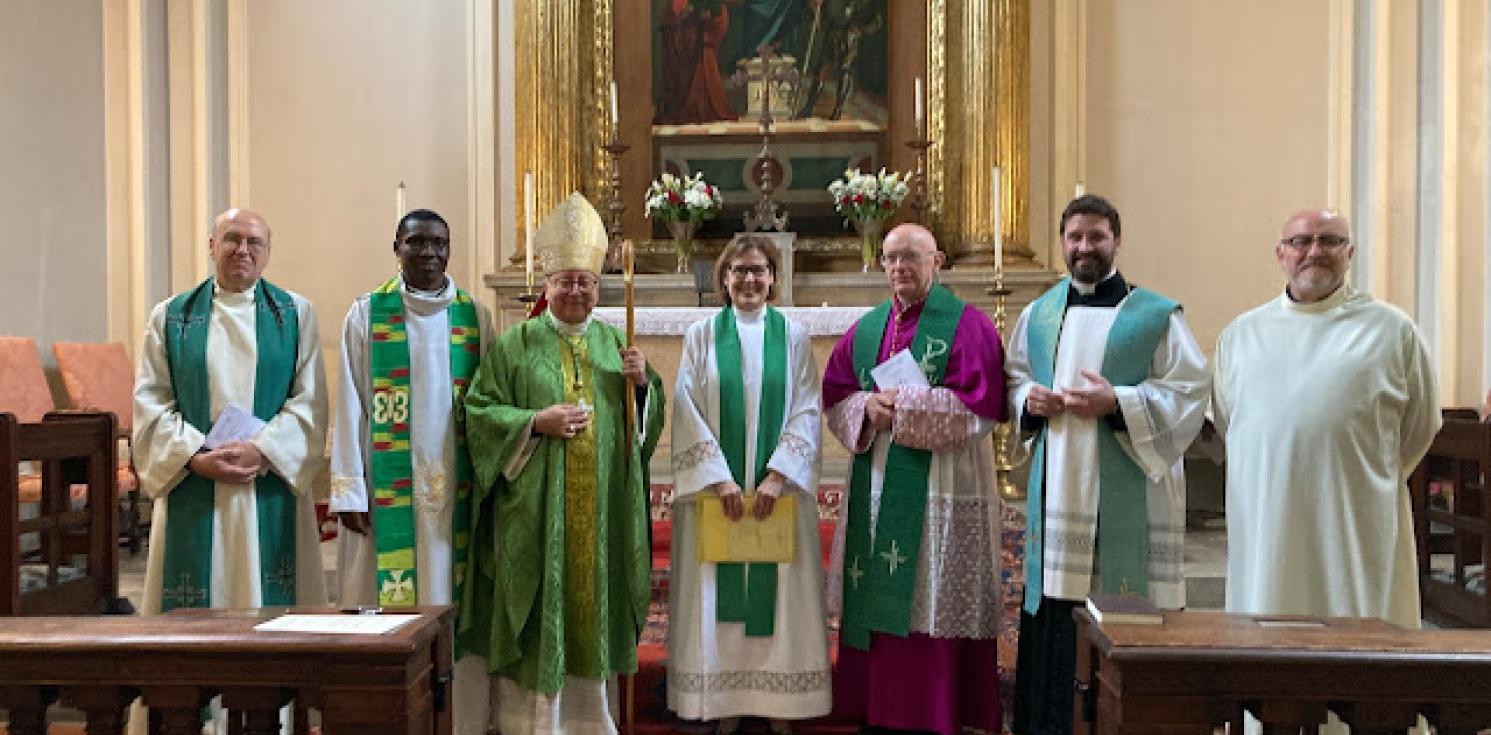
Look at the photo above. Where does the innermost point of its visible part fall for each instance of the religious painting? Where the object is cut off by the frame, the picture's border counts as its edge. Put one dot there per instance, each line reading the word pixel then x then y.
pixel 819 66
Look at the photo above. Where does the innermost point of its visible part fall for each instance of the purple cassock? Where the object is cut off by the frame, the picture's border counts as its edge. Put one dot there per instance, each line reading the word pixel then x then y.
pixel 944 676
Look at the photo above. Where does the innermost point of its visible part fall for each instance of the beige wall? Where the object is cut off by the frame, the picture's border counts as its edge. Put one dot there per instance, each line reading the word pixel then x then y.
pixel 1207 123
pixel 342 104
pixel 52 189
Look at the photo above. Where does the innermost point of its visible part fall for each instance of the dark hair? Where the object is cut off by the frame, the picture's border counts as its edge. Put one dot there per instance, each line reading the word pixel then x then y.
pixel 418 215
pixel 1094 205
pixel 742 245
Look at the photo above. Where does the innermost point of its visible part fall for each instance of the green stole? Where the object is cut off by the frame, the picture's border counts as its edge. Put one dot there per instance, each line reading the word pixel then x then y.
pixel 1123 515
pixel 187 577
pixel 392 471
pixel 903 500
pixel 738 600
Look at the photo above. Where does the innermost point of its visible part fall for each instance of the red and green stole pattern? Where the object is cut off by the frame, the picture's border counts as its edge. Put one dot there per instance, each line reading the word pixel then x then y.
pixel 741 597
pixel 880 571
pixel 392 471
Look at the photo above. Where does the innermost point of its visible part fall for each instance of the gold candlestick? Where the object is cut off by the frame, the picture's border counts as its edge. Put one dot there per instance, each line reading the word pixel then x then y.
pixel 615 206
pixel 1005 432
pixel 919 199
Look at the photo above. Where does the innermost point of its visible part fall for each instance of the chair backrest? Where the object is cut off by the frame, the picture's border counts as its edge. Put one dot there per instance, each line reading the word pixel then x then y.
pixel 98 377
pixel 23 386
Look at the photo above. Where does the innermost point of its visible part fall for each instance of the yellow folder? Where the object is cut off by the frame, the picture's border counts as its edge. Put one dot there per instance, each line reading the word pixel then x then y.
pixel 771 540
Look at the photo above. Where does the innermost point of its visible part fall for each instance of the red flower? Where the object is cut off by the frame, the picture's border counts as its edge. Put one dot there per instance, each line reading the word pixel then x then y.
pixel 859 198
pixel 674 198
pixel 885 204
pixel 711 190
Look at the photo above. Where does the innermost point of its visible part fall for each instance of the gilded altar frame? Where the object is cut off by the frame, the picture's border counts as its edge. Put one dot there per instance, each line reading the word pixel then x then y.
pixel 974 54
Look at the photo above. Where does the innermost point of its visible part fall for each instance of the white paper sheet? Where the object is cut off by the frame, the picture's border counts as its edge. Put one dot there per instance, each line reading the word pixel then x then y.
pixel 339 624
pixel 233 425
pixel 899 370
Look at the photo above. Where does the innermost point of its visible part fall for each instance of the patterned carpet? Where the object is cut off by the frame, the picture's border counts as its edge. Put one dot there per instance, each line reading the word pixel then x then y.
pixel 650 713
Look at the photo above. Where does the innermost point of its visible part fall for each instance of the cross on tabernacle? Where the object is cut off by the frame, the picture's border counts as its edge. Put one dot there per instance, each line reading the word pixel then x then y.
pixel 765 216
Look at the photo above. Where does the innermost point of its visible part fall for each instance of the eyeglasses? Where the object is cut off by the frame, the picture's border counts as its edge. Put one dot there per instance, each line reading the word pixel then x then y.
pixel 419 247
pixel 583 283
pixel 254 244
pixel 1326 240
pixel 743 272
pixel 909 258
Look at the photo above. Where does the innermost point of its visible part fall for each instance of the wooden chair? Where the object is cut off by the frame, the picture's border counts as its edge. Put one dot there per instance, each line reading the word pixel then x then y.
pixel 1452 515
pixel 74 450
pixel 99 377
pixel 25 394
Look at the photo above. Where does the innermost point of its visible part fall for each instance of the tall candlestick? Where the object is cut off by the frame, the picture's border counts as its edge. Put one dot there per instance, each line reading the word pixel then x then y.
pixel 1079 189
pixel 998 187
pixel 399 195
pixel 920 112
pixel 615 115
pixel 528 228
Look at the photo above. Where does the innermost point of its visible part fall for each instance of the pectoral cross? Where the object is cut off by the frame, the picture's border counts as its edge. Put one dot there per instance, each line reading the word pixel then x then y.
pixel 765 216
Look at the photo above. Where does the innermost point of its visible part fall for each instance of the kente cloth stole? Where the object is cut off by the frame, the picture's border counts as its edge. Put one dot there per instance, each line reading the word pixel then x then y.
pixel 880 571
pixel 582 616
pixel 741 595
pixel 1123 515
pixel 187 577
pixel 392 470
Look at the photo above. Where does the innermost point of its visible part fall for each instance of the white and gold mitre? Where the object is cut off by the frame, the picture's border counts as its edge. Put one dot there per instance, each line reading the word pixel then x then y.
pixel 572 237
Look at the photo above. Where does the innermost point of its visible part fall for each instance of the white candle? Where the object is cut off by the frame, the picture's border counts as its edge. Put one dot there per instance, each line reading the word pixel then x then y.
pixel 920 114
pixel 398 201
pixel 1079 189
pixel 528 228
pixel 615 116
pixel 998 186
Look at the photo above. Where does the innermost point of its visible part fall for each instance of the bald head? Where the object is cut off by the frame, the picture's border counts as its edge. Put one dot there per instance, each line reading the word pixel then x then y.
pixel 1319 218
pixel 239 247
pixel 1314 251
pixel 911 261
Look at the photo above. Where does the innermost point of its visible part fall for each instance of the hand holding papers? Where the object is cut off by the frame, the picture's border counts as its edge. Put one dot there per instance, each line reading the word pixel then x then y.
pixel 899 370
pixel 748 539
pixel 233 425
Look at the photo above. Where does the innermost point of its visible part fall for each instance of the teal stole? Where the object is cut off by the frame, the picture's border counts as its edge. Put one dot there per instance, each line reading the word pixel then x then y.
pixel 391 468
pixel 880 574
pixel 1123 513
pixel 742 597
pixel 187 578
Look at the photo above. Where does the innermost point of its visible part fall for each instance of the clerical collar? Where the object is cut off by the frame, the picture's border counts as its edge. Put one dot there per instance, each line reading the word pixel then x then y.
pixel 565 328
pixel 906 311
pixel 218 292
pixel 424 302
pixel 1108 292
pixel 1345 291
pixel 749 317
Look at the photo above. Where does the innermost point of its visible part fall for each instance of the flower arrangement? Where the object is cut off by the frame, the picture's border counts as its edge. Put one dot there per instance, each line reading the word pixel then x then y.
pixel 681 203
pixel 868 196
pixel 683 198
pixel 868 200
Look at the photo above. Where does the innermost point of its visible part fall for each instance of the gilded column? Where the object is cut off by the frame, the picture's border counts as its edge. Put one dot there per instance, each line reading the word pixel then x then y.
pixel 563 60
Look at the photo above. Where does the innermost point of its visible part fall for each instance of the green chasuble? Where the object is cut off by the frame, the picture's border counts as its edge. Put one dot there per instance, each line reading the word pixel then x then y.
pixel 186 580
pixel 560 574
pixel 1123 518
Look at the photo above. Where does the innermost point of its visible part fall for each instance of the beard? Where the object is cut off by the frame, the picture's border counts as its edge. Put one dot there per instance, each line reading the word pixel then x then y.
pixel 1089 267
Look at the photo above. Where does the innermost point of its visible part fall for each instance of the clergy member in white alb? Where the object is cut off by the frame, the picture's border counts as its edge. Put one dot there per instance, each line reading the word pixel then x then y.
pixel 1326 398
pixel 1114 387
pixel 746 639
pixel 233 526
pixel 400 471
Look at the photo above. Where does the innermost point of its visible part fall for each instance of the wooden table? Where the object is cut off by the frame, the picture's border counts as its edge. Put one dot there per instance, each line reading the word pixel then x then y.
pixel 391 683
pixel 1200 670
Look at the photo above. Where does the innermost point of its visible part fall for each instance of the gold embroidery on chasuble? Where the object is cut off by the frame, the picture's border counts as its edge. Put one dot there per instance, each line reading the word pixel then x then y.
pixel 580 584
